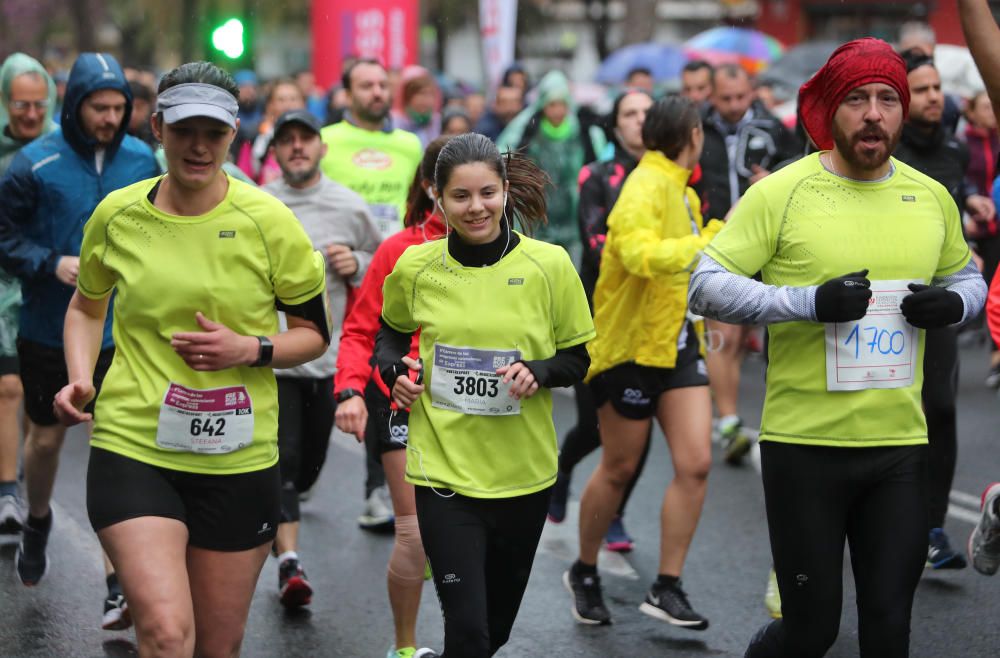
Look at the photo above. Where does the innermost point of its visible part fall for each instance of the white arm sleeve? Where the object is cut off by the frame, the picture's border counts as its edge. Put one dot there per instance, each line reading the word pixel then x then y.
pixel 967 283
pixel 717 293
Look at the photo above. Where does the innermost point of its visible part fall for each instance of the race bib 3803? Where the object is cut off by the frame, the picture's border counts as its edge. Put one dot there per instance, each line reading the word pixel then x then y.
pixel 464 379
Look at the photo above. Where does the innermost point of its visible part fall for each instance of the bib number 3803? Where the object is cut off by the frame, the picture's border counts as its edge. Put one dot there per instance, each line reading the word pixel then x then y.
pixel 464 379
pixel 205 421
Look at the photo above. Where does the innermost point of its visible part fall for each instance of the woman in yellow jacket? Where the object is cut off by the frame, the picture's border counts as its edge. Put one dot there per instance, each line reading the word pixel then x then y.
pixel 647 361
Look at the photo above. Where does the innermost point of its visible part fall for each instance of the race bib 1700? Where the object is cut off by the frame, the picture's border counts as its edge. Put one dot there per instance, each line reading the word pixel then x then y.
pixel 877 351
pixel 464 379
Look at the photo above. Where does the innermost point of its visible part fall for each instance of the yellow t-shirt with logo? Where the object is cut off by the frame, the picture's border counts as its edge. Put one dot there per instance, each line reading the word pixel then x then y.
pixel 802 226
pixel 233 264
pixel 473 320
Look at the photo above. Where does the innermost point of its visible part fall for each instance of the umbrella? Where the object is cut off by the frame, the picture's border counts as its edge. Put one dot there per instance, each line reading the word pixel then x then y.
pixel 796 66
pixel 663 60
pixel 751 49
pixel 959 74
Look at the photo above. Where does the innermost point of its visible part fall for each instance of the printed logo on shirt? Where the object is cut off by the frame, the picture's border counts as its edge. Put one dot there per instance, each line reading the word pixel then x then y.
pixel 519 281
pixel 227 234
pixel 372 159
pixel 909 198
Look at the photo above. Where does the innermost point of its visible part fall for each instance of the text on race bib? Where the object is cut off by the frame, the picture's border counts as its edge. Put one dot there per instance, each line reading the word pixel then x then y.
pixel 209 421
pixel 464 379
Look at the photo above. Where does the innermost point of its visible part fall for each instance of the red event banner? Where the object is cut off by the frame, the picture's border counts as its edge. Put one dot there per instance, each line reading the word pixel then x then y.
pixel 383 29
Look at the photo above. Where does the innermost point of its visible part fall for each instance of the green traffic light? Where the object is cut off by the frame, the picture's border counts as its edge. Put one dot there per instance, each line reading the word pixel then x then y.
pixel 228 38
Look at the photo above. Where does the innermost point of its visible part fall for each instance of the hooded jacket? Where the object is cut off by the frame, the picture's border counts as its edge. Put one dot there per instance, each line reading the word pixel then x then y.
pixel 50 190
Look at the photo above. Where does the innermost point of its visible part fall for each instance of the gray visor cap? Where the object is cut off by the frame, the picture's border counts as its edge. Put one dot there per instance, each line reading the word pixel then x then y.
pixel 196 99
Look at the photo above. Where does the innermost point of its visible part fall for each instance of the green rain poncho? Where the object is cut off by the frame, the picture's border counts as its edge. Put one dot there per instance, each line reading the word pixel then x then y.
pixel 557 150
pixel 10 289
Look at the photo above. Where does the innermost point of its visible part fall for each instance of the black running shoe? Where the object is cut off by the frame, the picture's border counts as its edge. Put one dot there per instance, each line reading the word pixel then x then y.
pixel 116 614
pixel 559 497
pixel 588 603
pixel 940 554
pixel 293 587
pixel 31 559
pixel 670 604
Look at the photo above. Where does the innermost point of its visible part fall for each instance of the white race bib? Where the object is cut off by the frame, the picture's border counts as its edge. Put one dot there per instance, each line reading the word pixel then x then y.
pixel 464 379
pixel 877 351
pixel 386 217
pixel 208 422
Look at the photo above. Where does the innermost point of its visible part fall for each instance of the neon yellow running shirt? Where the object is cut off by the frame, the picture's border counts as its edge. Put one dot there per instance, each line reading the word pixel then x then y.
pixel 232 264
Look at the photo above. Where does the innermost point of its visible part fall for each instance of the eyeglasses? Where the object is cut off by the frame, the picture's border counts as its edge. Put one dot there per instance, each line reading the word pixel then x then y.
pixel 21 106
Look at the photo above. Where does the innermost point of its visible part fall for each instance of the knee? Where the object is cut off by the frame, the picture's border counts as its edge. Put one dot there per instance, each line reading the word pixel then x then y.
pixel 695 470
pixel 44 441
pixel 11 391
pixel 164 634
pixel 407 562
pixel 618 471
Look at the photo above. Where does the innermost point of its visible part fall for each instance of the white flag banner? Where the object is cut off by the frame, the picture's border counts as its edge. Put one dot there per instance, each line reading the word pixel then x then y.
pixel 498 29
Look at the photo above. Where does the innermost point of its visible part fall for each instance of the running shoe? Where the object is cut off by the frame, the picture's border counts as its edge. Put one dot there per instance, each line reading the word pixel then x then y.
pixel 993 378
pixel 293 587
pixel 735 443
pixel 377 514
pixel 772 596
pixel 11 519
pixel 669 603
pixel 412 652
pixel 559 498
pixel 588 602
pixel 984 542
pixel 31 559
pixel 940 554
pixel 617 539
pixel 116 614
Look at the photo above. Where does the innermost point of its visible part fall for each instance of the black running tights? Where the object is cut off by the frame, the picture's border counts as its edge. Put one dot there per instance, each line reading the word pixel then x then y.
pixel 305 420
pixel 481 551
pixel 939 394
pixel 585 438
pixel 818 497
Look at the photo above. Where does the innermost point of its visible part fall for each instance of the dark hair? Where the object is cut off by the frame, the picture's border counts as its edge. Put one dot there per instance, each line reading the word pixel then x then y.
pixel 345 77
pixel 639 70
pixel 203 72
pixel 914 58
pixel 526 193
pixel 454 113
pixel 730 71
pixel 698 65
pixel 418 204
pixel 611 121
pixel 668 125
pixel 140 92
pixel 279 82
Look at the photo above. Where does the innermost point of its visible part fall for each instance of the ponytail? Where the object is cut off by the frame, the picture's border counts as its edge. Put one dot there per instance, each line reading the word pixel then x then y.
pixel 418 204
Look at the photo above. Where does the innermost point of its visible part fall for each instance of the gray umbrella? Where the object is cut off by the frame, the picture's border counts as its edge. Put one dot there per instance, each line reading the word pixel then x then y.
pixel 796 66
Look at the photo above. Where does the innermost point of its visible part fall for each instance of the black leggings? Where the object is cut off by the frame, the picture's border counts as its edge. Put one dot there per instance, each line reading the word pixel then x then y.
pixel 305 420
pixel 939 394
pixel 481 551
pixel 585 438
pixel 816 497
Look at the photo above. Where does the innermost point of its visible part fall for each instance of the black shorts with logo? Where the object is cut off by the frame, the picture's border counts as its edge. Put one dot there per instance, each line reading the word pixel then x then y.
pixel 43 374
pixel 222 512
pixel 634 390
pixel 388 429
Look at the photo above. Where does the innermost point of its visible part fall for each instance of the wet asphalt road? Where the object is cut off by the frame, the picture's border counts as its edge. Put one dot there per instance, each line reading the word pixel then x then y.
pixel 956 613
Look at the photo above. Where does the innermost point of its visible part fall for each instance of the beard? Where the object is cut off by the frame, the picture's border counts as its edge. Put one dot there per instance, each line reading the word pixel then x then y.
pixel 857 155
pixel 369 115
pixel 299 177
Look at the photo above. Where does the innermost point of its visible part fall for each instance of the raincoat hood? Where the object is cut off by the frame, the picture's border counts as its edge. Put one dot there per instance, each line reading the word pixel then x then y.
pixel 553 87
pixel 16 65
pixel 93 72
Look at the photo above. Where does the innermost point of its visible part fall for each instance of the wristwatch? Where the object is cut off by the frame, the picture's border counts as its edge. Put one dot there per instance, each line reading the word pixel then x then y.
pixel 346 394
pixel 265 354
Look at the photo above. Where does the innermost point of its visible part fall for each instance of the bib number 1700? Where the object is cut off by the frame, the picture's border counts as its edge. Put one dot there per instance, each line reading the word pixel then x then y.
pixel 209 426
pixel 480 386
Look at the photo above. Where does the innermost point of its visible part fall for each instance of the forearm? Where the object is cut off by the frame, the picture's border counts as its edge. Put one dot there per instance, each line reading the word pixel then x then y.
pixel 967 283
pixel 390 348
pixel 717 293
pixel 565 368
pixel 982 35
pixel 83 333
pixel 300 344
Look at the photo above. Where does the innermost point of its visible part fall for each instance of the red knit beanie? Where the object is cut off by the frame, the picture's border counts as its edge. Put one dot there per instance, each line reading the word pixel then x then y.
pixel 854 64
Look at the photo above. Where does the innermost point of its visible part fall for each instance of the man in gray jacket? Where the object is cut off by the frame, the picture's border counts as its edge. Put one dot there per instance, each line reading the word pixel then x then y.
pixel 340 225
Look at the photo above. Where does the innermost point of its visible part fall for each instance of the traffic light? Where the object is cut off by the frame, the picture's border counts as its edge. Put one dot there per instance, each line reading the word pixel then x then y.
pixel 229 38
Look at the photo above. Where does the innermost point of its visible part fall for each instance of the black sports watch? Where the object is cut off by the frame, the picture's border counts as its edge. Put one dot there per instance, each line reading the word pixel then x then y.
pixel 265 354
pixel 347 394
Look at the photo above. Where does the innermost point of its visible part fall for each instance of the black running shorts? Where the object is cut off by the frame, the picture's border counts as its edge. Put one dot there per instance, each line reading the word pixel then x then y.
pixel 222 512
pixel 9 366
pixel 390 430
pixel 43 374
pixel 634 390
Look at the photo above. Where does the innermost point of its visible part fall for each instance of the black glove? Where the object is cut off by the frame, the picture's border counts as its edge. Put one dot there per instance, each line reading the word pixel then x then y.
pixel 843 299
pixel 930 307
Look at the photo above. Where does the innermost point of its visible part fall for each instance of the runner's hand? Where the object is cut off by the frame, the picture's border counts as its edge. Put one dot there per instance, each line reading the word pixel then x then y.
pixel 930 307
pixel 352 416
pixel 216 347
pixel 844 299
pixel 341 259
pixel 405 392
pixel 524 385
pixel 67 269
pixel 71 399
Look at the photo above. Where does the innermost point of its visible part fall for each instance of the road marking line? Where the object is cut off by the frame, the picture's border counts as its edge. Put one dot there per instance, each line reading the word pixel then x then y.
pixel 962 498
pixel 561 541
pixel 963 514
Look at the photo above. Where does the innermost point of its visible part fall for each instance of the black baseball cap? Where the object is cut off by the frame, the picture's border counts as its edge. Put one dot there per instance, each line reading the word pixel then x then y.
pixel 302 116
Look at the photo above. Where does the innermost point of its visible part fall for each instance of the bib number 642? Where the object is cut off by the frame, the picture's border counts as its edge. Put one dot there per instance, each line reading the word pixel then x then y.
pixel 480 386
pixel 209 426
